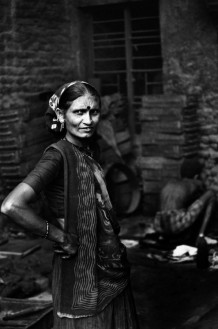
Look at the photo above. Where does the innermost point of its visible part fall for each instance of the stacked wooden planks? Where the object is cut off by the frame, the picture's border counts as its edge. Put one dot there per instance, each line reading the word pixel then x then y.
pixel 23 137
pixel 169 133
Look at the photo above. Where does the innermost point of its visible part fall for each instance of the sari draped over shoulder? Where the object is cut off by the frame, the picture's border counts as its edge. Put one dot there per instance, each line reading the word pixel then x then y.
pixel 99 272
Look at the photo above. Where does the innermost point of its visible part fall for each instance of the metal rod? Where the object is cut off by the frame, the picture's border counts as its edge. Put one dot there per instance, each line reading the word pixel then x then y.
pixel 129 77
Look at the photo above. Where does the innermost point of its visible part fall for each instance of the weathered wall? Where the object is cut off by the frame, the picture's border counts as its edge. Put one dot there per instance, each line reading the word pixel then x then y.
pixel 39 50
pixel 39 45
pixel 189 47
pixel 190 58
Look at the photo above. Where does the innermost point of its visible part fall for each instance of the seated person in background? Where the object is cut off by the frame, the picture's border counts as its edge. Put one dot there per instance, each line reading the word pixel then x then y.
pixel 182 202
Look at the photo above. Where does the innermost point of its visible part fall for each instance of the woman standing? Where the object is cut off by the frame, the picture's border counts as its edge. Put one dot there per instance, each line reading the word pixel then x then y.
pixel 90 271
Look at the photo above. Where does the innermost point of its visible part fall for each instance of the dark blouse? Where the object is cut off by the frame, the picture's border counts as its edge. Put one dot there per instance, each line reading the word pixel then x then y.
pixel 48 176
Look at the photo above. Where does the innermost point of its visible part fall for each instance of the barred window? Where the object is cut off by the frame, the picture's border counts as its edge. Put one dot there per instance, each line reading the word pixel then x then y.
pixel 127 49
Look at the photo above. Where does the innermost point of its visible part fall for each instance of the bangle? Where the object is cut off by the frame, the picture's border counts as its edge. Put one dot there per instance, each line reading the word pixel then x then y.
pixel 47 229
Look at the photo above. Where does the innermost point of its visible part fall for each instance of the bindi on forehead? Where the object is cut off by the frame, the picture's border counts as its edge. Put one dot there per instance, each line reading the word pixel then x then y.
pixel 86 102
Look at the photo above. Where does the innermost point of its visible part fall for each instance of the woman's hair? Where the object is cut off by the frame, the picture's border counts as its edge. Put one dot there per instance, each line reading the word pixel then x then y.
pixel 75 91
pixel 63 99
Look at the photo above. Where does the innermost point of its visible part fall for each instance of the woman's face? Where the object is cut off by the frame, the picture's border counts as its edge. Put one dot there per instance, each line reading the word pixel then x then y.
pixel 82 117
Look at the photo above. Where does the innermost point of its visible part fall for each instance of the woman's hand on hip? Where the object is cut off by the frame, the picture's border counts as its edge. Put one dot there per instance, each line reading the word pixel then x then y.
pixel 68 247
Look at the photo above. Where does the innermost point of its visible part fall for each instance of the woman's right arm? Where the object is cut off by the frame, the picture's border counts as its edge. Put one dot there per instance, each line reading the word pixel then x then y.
pixel 17 207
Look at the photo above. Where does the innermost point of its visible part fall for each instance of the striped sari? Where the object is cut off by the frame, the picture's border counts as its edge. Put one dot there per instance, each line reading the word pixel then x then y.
pixel 119 314
pixel 92 290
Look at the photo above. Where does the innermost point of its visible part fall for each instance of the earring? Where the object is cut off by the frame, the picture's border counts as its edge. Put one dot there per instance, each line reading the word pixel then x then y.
pixel 54 124
pixel 62 126
pixel 62 121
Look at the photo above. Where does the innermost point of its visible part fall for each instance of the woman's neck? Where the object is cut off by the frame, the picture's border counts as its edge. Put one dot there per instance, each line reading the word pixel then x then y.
pixel 76 141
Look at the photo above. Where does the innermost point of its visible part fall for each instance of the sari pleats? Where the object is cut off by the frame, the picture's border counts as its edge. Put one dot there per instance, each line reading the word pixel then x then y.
pixel 120 313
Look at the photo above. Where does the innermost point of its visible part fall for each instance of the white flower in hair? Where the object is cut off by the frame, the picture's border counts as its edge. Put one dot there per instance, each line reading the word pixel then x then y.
pixel 53 102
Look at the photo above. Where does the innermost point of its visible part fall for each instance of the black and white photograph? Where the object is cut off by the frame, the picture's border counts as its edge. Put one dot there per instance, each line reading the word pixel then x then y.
pixel 108 164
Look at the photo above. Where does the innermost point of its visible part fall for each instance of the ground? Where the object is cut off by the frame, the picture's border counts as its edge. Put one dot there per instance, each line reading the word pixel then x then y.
pixel 167 295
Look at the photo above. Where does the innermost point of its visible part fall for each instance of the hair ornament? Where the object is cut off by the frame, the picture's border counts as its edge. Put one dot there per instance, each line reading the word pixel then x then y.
pixel 55 98
pixel 53 102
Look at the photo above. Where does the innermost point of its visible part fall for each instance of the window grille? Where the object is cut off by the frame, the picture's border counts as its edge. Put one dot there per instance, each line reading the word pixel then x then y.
pixel 127 50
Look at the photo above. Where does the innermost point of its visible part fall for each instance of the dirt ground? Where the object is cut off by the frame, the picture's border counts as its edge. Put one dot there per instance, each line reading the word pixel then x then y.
pixel 167 295
pixel 173 295
pixel 170 295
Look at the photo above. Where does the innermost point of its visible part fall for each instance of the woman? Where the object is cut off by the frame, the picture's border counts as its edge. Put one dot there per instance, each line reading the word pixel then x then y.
pixel 90 271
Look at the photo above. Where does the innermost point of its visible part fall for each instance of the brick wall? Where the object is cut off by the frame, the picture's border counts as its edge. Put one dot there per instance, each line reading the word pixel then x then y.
pixel 39 45
pixel 39 50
